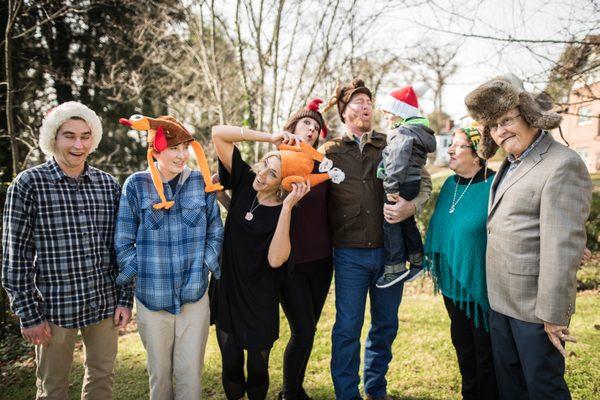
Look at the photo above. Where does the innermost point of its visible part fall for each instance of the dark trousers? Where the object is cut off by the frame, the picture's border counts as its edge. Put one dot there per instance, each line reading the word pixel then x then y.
pixel 474 353
pixel 527 365
pixel 235 384
pixel 302 299
pixel 402 239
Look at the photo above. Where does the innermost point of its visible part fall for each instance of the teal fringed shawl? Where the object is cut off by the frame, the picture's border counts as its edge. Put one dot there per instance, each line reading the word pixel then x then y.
pixel 455 247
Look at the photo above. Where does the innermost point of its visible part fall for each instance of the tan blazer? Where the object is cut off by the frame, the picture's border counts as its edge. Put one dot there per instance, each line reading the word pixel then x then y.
pixel 536 234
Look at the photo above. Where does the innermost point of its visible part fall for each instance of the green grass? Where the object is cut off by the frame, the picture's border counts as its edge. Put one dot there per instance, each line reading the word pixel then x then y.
pixel 424 364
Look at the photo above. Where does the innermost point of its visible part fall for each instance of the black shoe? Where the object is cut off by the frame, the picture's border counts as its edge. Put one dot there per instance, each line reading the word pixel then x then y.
pixel 389 279
pixel 303 396
pixel 413 273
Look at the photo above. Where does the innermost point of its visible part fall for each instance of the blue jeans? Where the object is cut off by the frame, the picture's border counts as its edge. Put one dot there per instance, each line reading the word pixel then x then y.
pixel 356 271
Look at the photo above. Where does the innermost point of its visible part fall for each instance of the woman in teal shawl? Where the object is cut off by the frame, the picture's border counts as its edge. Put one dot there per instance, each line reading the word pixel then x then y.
pixel 455 257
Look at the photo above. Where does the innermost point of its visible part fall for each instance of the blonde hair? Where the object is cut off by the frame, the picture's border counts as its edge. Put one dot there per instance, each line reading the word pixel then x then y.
pixel 256 168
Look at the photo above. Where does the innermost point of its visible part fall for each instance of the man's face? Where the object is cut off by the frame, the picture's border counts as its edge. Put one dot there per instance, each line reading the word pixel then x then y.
pixel 359 112
pixel 73 143
pixel 512 133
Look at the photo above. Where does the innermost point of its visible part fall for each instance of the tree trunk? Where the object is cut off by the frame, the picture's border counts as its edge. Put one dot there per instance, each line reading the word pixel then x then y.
pixel 13 8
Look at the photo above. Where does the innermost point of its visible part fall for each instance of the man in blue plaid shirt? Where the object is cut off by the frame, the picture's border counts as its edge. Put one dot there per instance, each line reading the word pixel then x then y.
pixel 59 265
pixel 168 249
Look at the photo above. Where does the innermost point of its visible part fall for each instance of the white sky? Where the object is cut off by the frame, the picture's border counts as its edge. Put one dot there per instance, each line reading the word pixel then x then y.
pixel 480 59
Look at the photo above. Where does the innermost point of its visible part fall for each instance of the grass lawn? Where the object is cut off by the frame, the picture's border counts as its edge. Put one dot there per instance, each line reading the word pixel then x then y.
pixel 424 364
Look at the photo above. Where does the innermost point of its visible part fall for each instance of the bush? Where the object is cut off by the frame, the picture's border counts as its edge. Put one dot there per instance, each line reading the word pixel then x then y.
pixel 592 226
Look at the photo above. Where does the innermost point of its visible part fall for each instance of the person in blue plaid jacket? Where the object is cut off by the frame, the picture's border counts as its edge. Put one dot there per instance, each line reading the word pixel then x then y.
pixel 58 262
pixel 168 249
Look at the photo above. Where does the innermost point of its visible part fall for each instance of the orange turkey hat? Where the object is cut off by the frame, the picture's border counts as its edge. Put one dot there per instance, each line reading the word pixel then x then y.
pixel 297 163
pixel 164 132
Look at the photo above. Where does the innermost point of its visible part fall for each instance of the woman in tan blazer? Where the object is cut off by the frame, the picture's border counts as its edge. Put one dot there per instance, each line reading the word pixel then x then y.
pixel 539 202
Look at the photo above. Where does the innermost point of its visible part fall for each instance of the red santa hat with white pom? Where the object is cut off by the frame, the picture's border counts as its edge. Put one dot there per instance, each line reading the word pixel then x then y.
pixel 404 102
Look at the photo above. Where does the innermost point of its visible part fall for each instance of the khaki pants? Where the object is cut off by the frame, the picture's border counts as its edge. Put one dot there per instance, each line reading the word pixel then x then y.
pixel 54 362
pixel 175 345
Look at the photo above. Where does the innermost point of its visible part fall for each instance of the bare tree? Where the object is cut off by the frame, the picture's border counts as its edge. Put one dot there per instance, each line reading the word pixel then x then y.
pixel 15 8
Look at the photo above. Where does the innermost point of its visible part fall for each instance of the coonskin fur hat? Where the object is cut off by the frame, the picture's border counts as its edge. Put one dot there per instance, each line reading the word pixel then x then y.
pixel 343 95
pixel 499 95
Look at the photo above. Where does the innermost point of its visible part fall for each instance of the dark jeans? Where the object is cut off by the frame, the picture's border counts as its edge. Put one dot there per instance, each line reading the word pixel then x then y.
pixel 402 239
pixel 474 352
pixel 302 300
pixel 528 366
pixel 235 383
pixel 356 272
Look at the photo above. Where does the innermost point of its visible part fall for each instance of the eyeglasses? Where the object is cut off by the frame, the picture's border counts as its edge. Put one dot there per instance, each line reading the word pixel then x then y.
pixel 505 123
pixel 460 146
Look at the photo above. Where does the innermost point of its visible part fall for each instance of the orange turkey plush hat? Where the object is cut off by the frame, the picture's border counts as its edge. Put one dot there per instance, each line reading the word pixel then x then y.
pixel 297 163
pixel 165 132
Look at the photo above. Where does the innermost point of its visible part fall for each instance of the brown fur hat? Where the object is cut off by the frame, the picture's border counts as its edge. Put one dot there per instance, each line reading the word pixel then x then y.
pixel 343 95
pixel 499 95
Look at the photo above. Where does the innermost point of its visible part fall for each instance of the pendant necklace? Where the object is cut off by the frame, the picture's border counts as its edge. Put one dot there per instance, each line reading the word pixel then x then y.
pixel 249 216
pixel 454 200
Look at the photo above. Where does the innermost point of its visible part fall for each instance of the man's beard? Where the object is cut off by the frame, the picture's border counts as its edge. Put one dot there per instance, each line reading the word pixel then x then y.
pixel 363 125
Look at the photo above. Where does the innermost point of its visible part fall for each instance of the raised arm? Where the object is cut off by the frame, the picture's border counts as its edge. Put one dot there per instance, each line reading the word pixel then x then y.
pixel 280 247
pixel 224 137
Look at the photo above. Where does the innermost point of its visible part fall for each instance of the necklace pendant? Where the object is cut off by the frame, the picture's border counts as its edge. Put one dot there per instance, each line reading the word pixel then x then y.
pixel 451 211
pixel 249 216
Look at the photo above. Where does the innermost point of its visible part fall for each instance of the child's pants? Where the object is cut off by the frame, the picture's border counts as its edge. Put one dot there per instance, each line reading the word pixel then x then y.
pixel 403 238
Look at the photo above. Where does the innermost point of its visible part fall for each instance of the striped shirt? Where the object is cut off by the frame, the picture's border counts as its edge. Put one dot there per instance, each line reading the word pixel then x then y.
pixel 58 254
pixel 168 253
pixel 514 162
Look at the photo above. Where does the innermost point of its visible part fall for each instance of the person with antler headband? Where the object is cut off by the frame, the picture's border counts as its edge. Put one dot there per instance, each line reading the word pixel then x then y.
pixel 356 213
pixel 168 237
pixel 257 249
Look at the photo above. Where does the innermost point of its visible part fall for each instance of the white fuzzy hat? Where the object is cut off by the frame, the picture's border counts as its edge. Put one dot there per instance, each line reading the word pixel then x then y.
pixel 58 115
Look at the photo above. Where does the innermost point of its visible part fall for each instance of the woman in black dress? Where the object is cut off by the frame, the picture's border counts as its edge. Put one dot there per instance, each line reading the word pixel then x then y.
pixel 256 252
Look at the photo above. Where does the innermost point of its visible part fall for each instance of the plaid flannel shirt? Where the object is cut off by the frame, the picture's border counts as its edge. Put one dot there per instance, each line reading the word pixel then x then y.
pixel 58 254
pixel 168 253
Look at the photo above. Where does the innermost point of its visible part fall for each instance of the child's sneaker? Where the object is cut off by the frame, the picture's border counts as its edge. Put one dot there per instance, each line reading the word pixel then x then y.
pixel 391 276
pixel 413 273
